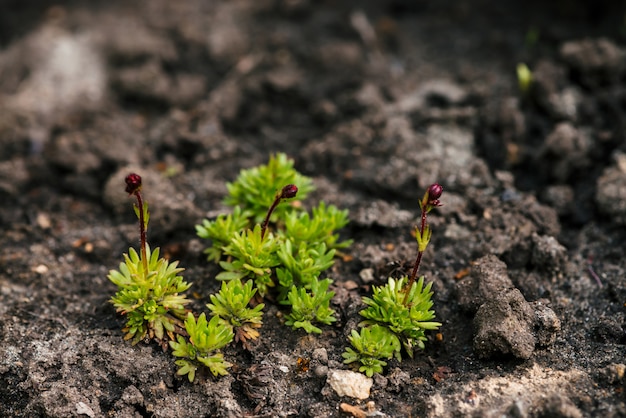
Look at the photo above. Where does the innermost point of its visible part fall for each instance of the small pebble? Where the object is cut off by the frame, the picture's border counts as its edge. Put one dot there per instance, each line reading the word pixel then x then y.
pixel 349 383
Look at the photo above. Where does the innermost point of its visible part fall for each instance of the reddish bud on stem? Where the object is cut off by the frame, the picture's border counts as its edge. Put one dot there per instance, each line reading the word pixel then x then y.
pixel 434 193
pixel 289 191
pixel 133 183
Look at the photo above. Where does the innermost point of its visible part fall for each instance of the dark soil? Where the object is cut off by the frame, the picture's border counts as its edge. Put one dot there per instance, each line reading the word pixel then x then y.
pixel 373 99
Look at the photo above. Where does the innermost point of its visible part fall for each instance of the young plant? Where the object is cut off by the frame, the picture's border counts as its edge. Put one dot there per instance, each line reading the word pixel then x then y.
pixel 371 346
pixel 307 308
pixel 231 306
pixel 407 321
pixel 150 289
pixel 203 348
pixel 402 307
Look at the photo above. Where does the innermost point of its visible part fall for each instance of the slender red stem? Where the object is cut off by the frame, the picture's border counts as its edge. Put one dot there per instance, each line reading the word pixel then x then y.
pixel 142 234
pixel 418 260
pixel 286 192
pixel 267 217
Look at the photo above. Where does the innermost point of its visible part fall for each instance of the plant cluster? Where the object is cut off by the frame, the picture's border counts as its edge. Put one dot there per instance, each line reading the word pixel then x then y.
pixel 286 263
pixel 151 295
pixel 399 312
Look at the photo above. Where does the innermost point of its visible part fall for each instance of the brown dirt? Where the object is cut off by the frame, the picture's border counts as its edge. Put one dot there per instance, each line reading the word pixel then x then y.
pixel 373 99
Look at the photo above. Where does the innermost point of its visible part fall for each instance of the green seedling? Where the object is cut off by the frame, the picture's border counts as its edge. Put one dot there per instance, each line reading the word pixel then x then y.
pixel 150 289
pixel 309 307
pixel 402 307
pixel 231 306
pixel 206 339
pixel 407 320
pixel 371 346
pixel 524 78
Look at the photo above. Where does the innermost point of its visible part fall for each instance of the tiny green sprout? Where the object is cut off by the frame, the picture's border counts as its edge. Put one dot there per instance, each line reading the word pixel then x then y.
pixel 255 188
pixel 150 289
pixel 371 345
pixel 307 308
pixel 203 348
pixel 524 77
pixel 406 320
pixel 231 306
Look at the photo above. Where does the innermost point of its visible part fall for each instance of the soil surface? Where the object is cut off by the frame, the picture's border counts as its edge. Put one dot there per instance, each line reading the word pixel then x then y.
pixel 375 100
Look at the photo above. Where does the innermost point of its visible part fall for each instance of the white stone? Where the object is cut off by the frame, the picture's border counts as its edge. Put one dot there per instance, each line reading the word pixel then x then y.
pixel 348 383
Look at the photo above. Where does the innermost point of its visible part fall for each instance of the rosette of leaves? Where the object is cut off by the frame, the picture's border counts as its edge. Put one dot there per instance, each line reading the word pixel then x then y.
pixel 150 295
pixel 221 231
pixel 318 227
pixel 252 256
pixel 405 312
pixel 309 307
pixel 255 188
pixel 203 347
pixel 230 304
pixel 371 346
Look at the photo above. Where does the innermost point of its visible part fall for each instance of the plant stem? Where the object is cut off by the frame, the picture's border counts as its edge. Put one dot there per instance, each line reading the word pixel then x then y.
pixel 142 234
pixel 267 217
pixel 418 260
pixel 427 203
pixel 286 192
pixel 133 187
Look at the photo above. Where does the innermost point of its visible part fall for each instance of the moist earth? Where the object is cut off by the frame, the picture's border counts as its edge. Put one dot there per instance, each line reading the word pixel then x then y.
pixel 375 100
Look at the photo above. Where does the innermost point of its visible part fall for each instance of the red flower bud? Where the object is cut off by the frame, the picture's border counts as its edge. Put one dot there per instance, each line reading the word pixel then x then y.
pixel 434 191
pixel 289 191
pixel 133 183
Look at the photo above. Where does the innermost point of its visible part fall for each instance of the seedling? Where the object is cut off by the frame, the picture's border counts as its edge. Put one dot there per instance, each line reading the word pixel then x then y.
pixel 401 307
pixel 231 306
pixel 406 314
pixel 524 78
pixel 286 263
pixel 150 288
pixel 205 341
pixel 307 308
pixel 372 345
